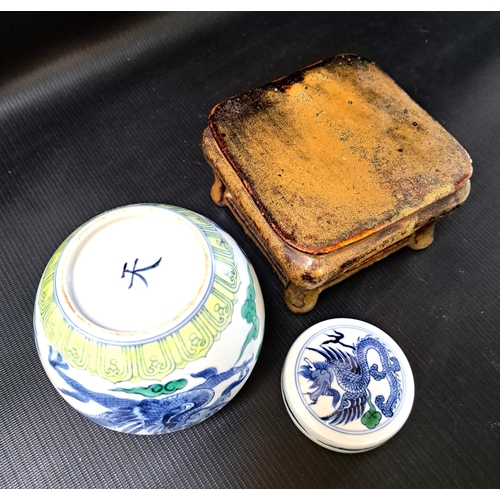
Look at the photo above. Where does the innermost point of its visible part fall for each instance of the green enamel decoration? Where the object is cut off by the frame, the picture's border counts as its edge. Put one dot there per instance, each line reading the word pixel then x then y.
pixel 249 312
pixel 157 389
pixel 157 359
pixel 372 417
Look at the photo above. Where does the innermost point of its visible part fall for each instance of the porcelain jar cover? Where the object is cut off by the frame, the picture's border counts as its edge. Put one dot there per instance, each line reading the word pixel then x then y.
pixel 347 385
pixel 148 319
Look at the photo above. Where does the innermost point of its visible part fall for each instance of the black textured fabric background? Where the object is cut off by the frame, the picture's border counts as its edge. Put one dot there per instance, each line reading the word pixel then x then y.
pixel 103 110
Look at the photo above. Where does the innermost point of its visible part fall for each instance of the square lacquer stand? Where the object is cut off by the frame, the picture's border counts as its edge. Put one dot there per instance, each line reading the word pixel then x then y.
pixel 331 169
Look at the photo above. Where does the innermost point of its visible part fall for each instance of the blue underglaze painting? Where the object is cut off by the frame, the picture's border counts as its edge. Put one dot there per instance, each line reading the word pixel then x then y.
pixel 345 375
pixel 167 410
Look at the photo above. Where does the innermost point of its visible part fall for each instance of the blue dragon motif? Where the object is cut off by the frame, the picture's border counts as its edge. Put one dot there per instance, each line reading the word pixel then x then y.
pixel 352 374
pixel 155 415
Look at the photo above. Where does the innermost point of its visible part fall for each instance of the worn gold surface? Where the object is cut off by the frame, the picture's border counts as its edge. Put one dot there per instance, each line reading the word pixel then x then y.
pixel 331 169
pixel 336 152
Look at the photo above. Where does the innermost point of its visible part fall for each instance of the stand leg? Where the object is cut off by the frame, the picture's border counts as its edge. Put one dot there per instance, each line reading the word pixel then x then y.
pixel 300 300
pixel 423 237
pixel 217 191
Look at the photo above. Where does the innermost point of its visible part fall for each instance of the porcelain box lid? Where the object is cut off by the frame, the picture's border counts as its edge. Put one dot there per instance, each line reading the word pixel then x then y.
pixel 347 385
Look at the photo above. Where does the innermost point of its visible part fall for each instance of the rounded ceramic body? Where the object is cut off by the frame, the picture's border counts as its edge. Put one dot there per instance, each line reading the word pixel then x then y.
pixel 148 319
pixel 347 385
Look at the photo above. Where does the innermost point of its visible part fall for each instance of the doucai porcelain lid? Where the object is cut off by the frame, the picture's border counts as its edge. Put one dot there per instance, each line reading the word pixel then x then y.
pixel 347 385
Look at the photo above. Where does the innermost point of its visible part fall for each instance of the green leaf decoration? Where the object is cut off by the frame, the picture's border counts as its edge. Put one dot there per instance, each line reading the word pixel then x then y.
pixel 157 389
pixel 372 417
pixel 249 312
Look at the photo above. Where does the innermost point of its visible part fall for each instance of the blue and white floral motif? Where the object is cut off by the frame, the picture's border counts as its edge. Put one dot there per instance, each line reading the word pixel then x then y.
pixel 342 374
pixel 155 415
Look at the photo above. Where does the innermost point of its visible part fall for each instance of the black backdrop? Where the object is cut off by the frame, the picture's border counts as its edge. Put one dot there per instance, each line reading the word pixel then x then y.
pixel 103 110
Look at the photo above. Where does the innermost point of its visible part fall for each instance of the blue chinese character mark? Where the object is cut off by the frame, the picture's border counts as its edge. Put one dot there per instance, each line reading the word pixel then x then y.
pixel 135 272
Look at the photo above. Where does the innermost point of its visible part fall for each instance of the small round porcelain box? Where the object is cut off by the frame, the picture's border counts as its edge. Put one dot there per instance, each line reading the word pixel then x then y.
pixel 149 319
pixel 347 385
